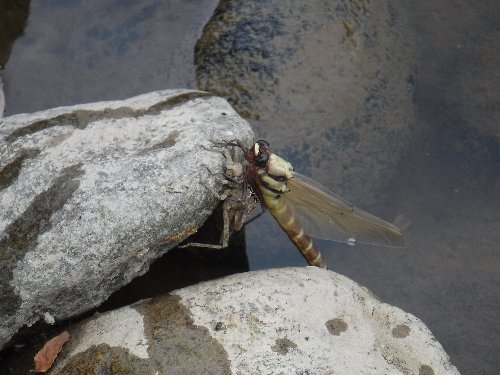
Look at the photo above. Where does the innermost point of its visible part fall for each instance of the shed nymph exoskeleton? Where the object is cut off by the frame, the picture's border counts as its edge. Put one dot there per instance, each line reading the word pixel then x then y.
pixel 238 200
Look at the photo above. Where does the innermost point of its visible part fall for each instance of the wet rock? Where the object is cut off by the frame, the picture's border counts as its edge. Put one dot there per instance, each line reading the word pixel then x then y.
pixel 296 320
pixel 328 83
pixel 13 20
pixel 91 194
pixel 2 99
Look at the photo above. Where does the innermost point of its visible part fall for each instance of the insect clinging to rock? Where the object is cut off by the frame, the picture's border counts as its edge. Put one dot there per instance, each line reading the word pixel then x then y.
pixel 302 207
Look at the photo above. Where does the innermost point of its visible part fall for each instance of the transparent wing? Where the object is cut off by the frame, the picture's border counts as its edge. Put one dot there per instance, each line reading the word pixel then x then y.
pixel 324 215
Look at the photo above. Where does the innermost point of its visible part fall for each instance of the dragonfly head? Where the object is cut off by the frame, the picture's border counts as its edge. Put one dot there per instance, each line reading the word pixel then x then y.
pixel 261 153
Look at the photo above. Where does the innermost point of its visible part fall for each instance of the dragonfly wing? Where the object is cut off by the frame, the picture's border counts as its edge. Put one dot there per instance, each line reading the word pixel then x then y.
pixel 324 215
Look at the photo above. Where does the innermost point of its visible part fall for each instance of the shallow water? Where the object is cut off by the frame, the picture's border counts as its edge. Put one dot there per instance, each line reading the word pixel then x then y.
pixel 444 181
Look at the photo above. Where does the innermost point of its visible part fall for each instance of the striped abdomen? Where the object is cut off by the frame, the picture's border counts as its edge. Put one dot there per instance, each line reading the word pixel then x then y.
pixel 268 174
pixel 284 216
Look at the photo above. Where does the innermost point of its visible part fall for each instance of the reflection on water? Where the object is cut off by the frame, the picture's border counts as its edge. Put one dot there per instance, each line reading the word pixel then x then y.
pixel 423 142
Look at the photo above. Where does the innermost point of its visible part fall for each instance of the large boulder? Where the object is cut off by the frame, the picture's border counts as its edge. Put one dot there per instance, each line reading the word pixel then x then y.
pixel 282 321
pixel 91 194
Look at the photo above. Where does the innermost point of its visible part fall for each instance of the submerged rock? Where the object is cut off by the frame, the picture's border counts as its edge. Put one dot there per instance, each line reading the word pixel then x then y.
pixel 328 83
pixel 296 320
pixel 91 194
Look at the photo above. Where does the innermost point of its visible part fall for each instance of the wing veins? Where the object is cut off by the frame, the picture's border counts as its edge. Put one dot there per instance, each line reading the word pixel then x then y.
pixel 327 216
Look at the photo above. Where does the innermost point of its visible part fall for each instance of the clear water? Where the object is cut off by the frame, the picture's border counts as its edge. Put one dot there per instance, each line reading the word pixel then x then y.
pixel 447 185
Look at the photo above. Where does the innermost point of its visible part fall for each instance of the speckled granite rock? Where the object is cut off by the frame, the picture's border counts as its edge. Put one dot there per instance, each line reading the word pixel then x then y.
pixel 283 321
pixel 91 194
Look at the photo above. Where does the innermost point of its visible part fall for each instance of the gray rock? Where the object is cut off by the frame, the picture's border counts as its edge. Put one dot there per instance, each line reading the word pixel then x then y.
pixel 91 194
pixel 283 321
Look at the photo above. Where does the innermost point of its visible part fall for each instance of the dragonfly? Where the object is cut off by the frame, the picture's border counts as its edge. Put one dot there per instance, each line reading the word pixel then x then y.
pixel 302 207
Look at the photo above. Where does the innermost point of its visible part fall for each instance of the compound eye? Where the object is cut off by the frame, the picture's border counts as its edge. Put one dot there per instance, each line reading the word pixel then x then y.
pixel 263 143
pixel 261 160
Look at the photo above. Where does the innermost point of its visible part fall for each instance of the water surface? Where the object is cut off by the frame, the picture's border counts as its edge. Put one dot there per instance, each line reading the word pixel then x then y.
pixel 440 101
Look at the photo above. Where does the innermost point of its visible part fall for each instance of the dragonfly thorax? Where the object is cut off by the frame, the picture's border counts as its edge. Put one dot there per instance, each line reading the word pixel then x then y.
pixel 278 167
pixel 274 176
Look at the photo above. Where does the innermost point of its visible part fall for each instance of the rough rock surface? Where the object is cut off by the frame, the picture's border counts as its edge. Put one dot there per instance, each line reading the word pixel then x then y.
pixel 282 321
pixel 91 194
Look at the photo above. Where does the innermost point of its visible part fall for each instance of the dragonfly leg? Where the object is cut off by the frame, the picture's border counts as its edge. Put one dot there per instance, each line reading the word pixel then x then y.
pixel 234 169
pixel 233 143
pixel 256 216
pixel 223 181
pixel 226 232
pixel 203 245
pixel 220 197
pixel 226 229
pixel 238 199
